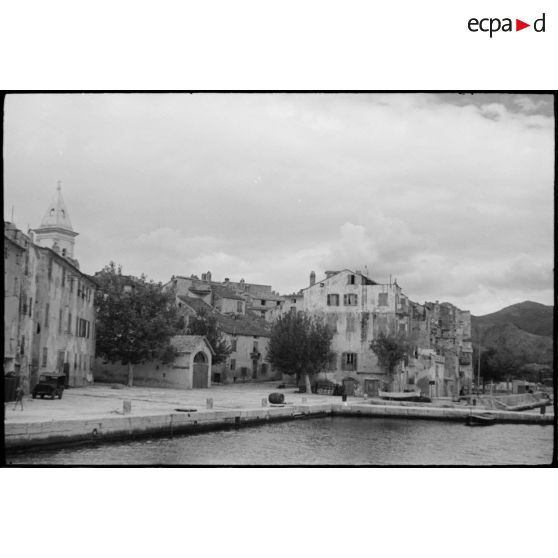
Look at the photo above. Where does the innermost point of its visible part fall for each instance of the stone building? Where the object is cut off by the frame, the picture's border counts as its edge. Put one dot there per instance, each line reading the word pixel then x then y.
pixel 357 309
pixel 245 331
pixel 190 369
pixel 56 301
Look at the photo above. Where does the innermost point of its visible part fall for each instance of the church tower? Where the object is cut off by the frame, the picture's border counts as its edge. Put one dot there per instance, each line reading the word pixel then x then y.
pixel 56 230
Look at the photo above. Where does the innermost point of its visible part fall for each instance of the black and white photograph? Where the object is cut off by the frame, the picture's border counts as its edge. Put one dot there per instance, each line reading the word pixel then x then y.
pixel 279 279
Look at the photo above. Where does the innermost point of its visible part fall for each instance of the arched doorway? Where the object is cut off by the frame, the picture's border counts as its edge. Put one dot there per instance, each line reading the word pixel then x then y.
pixel 200 374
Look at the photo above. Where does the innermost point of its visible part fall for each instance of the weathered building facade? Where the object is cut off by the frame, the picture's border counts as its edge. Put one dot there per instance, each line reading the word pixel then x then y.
pixel 357 309
pixel 245 331
pixel 56 303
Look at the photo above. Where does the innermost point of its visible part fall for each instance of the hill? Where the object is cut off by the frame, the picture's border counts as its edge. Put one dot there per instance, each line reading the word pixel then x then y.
pixel 531 317
pixel 523 330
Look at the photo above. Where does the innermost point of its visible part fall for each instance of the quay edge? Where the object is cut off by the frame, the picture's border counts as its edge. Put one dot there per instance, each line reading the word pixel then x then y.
pixel 53 434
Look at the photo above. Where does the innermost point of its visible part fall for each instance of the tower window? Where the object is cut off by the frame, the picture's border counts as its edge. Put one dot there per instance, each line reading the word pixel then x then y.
pixel 63 251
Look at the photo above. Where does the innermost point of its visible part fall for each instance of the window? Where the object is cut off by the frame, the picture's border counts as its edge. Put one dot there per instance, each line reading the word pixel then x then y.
pixel 45 357
pixel 239 306
pixel 71 279
pixel 262 302
pixel 22 345
pixel 350 299
pixel 351 280
pixel 63 277
pixel 64 252
pixel 333 300
pixel 50 268
pixel 69 330
pixel 30 306
pixel 60 319
pixel 293 300
pixel 233 364
pixel 47 311
pixel 278 303
pixel 233 344
pixel 349 361
pixel 332 362
pixel 75 361
pixel 382 299
pixel 18 258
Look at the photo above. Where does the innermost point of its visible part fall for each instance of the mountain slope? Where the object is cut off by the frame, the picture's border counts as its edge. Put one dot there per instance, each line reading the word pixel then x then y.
pixel 523 329
pixel 531 317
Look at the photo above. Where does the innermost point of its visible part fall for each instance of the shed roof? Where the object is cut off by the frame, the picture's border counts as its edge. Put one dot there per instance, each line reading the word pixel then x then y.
pixel 190 343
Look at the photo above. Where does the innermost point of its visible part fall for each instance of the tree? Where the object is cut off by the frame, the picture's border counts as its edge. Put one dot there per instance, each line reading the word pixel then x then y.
pixel 135 319
pixel 390 349
pixel 204 323
pixel 299 345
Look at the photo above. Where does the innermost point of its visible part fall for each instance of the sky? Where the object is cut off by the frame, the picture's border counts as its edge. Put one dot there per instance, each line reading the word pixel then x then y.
pixel 450 194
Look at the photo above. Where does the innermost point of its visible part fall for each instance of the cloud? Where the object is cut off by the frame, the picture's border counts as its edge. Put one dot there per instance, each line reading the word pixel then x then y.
pixel 434 189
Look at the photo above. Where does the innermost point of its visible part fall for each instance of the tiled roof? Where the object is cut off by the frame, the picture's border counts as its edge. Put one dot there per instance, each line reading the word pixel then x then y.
pixel 224 292
pixel 233 324
pixel 189 343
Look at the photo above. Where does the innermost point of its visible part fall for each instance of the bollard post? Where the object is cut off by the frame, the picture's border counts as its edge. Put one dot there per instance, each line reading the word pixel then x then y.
pixel 264 402
pixel 209 403
pixel 127 406
pixel 304 400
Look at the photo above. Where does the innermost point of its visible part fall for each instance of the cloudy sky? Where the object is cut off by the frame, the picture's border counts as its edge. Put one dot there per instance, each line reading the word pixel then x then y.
pixel 450 194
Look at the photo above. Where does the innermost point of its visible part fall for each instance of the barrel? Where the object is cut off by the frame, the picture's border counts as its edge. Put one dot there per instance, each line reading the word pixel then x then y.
pixel 276 398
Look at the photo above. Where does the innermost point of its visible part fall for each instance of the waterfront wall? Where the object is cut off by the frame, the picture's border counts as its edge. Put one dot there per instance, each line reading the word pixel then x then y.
pixel 80 431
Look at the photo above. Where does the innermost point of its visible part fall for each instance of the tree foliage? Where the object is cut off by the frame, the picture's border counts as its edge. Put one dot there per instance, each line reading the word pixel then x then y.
pixel 299 345
pixel 135 319
pixel 204 323
pixel 390 349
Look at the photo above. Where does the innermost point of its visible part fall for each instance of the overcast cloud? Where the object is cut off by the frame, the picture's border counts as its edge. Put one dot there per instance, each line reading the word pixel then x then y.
pixel 450 194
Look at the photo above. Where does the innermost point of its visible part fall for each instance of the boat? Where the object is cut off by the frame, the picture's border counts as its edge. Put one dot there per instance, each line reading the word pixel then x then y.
pixel 400 395
pixel 480 419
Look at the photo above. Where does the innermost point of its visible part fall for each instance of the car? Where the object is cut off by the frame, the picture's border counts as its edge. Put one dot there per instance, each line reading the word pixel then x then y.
pixel 50 384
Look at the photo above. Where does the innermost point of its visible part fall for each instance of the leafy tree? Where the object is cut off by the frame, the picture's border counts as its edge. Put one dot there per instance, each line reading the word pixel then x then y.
pixel 299 345
pixel 390 349
pixel 204 323
pixel 135 319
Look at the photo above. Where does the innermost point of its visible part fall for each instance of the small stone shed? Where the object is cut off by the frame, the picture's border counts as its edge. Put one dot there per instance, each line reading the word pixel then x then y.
pixel 190 369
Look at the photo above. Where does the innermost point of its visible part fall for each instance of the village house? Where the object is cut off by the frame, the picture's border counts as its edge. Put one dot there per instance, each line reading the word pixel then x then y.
pixel 246 332
pixel 56 302
pixel 357 309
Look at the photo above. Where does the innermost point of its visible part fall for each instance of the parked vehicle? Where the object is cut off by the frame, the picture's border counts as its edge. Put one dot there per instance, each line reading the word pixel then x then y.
pixel 50 384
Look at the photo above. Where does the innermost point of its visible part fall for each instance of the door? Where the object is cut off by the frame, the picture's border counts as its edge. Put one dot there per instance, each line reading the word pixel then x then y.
pixel 200 373
pixel 371 387
pixel 349 387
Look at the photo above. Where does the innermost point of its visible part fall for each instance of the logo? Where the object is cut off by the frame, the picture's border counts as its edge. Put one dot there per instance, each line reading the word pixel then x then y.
pixel 493 25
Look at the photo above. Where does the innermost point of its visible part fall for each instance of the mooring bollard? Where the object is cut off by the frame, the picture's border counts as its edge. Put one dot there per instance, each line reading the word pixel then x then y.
pixel 264 402
pixel 209 403
pixel 127 406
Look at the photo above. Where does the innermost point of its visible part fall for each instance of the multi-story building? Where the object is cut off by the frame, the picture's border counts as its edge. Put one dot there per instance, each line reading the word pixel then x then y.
pixel 357 309
pixel 56 302
pixel 245 331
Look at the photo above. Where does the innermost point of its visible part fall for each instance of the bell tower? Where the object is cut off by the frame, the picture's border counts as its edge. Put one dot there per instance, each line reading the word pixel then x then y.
pixel 55 230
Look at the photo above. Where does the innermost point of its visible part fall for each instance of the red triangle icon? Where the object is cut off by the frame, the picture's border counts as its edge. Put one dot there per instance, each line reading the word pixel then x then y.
pixel 519 25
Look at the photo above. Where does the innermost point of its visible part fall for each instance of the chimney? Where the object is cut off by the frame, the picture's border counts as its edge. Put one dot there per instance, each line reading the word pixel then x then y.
pixel 312 278
pixel 226 280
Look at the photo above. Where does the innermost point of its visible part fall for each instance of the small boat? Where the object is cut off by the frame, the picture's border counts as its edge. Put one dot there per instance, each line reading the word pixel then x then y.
pixel 480 419
pixel 400 395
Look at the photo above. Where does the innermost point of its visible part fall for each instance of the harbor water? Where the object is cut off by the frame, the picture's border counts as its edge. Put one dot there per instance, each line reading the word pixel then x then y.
pixel 323 441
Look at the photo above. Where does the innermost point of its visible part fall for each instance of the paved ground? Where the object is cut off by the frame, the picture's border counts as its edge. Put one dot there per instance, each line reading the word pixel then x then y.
pixel 101 400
